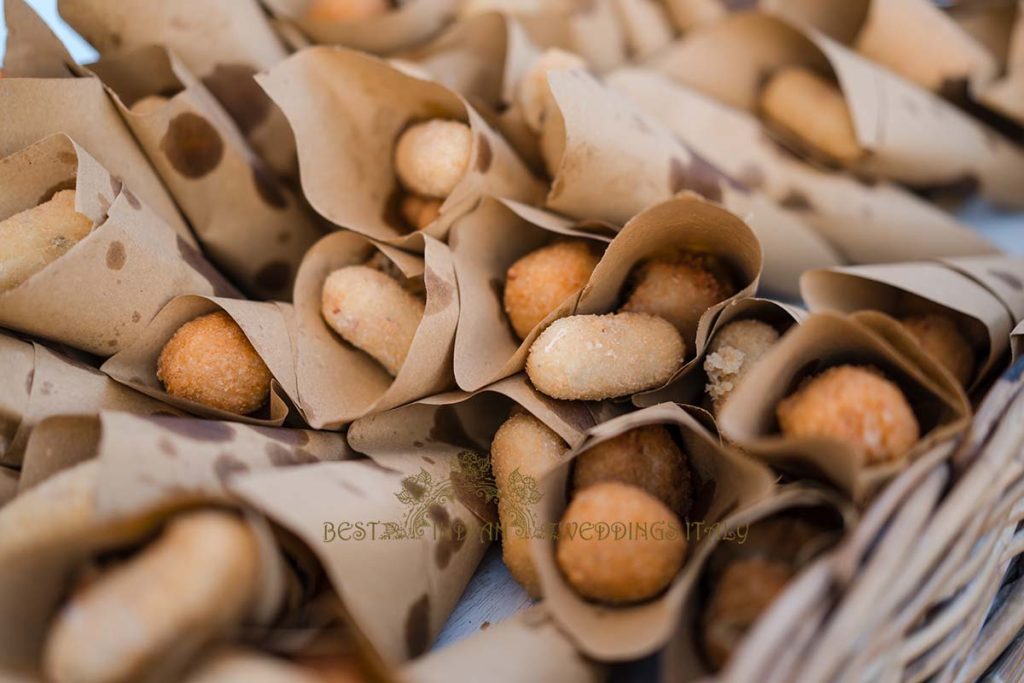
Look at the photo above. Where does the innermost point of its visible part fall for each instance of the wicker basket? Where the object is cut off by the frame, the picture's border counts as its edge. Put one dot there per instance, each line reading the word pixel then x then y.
pixel 926 587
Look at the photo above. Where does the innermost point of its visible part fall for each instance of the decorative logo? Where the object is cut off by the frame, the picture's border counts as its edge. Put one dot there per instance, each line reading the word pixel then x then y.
pixel 469 482
pixel 428 500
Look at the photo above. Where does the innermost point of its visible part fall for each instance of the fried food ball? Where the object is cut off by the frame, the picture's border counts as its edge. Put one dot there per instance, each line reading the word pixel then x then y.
pixel 523 447
pixel 812 110
pixel 939 337
pixel 741 595
pixel 372 312
pixel 419 212
pixel 679 288
pixel 636 566
pixel 856 405
pixel 594 357
pixel 36 237
pixel 733 352
pixel 346 10
pixel 185 589
pixel 149 104
pixel 539 282
pixel 431 157
pixel 210 361
pixel 646 457
pixel 533 94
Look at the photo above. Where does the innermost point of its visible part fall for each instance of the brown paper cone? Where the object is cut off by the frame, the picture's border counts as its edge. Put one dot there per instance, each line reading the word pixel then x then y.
pixel 911 288
pixel 182 463
pixel 591 29
pixel 608 140
pixel 910 134
pixel 645 27
pixel 990 23
pixel 943 54
pixel 530 644
pixel 290 34
pixel 42 99
pixel 34 582
pixel 1001 275
pixel 1005 94
pixel 864 222
pixel 484 58
pixel 251 225
pixel 686 223
pixel 99 296
pixel 412 23
pixel 159 462
pixel 485 243
pixel 472 57
pixel 730 483
pixel 690 384
pixel 338 383
pixel 17 366
pixel 405 536
pixel 265 326
pixel 224 44
pixel 32 50
pixel 347 110
pixel 44 383
pixel 825 340
pixel 460 419
pixel 436 444
pixel 8 484
pixel 683 659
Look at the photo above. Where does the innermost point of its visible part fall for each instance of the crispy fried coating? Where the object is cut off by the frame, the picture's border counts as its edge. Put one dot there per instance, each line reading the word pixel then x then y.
pixel 210 361
pixel 939 337
pixel 856 405
pixel 338 11
pixel 523 447
pixel 594 357
pixel 810 109
pixel 372 311
pixel 743 592
pixel 637 565
pixel 678 288
pixel 538 282
pixel 733 352
pixel 419 212
pixel 183 590
pixel 431 157
pixel 36 237
pixel 646 457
